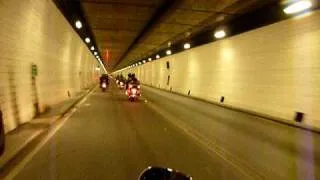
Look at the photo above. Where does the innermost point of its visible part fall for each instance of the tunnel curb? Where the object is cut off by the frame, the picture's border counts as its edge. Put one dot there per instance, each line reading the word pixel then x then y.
pixel 253 113
pixel 76 102
pixel 36 138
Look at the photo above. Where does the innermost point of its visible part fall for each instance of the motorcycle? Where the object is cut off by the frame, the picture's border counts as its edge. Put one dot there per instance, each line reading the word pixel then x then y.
pixel 104 86
pixel 133 92
pixel 121 85
pixel 159 173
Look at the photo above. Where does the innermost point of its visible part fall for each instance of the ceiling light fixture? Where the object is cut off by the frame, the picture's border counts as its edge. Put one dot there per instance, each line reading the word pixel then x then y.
pixel 78 24
pixel 187 46
pixel 139 63
pixel 298 6
pixel 144 61
pixel 220 34
pixel 95 53
pixel 92 48
pixel 158 56
pixel 87 40
pixel 168 52
pixel 149 59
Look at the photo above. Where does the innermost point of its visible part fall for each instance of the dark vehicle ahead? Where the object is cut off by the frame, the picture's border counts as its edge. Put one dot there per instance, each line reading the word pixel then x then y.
pixel 104 82
pixel 2 138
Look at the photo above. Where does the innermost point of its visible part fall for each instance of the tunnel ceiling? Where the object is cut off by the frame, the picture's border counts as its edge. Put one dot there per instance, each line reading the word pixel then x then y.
pixel 126 30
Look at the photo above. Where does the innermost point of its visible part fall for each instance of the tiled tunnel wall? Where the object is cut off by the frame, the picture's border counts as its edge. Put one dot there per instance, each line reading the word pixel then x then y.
pixel 273 70
pixel 35 32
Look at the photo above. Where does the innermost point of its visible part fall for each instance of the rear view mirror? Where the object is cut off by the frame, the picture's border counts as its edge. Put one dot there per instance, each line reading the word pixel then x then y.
pixel 158 173
pixel 2 138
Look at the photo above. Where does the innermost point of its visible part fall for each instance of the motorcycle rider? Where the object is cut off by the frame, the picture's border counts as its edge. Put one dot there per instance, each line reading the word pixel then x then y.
pixel 104 78
pixel 121 78
pixel 132 80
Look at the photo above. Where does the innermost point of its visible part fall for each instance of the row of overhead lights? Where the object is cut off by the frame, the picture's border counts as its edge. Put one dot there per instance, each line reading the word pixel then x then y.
pixel 294 8
pixel 218 35
pixel 79 25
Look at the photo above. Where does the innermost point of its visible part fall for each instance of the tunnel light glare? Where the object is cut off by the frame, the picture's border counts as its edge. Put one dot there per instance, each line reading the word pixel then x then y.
pixel 168 52
pixel 78 24
pixel 95 53
pixel 220 34
pixel 158 56
pixel 144 61
pixel 187 46
pixel 149 59
pixel 298 7
pixel 139 63
pixel 92 48
pixel 87 40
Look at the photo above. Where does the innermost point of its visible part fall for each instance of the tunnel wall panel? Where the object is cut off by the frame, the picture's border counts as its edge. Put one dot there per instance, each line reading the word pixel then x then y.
pixel 35 32
pixel 273 70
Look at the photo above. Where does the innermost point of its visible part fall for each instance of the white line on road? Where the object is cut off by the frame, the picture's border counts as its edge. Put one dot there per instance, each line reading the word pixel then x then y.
pixel 208 144
pixel 52 131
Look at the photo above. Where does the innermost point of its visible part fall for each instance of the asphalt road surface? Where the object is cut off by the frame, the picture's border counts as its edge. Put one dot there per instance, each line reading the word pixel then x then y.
pixel 109 137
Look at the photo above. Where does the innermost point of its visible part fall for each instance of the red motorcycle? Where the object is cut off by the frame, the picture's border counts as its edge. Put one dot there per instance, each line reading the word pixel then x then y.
pixel 133 92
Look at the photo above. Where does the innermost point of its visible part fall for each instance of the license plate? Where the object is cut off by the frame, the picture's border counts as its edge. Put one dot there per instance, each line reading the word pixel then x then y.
pixel 134 91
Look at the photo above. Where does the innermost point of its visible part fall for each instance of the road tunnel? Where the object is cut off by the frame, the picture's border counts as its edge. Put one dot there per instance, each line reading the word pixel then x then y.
pixel 229 89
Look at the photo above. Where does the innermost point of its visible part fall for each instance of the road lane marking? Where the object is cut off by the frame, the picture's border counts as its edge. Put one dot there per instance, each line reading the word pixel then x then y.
pixel 207 144
pixel 51 132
